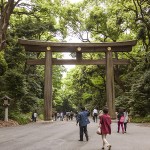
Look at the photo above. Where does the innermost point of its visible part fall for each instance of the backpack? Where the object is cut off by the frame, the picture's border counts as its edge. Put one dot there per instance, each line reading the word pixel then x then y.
pixel 122 119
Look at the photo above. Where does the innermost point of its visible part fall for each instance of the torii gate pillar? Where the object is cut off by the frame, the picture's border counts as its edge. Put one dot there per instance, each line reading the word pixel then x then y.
pixel 48 86
pixel 110 90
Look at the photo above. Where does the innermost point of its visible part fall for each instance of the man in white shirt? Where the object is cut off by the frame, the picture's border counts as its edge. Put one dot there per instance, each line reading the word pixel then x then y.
pixel 95 114
pixel 35 116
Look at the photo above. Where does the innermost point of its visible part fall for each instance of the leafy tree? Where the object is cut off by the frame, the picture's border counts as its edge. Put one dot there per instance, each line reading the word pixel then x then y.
pixel 6 8
pixel 90 21
pixel 140 93
pixel 29 21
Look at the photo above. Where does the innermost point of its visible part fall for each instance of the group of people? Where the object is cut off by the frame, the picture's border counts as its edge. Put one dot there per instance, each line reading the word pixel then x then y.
pixel 122 117
pixel 61 116
pixel 104 123
pixel 69 115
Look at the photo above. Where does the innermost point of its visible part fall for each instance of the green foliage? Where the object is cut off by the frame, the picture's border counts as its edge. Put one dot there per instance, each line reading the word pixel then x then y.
pixel 15 83
pixel 95 21
pixel 3 64
pixel 41 117
pixel 141 95
pixel 24 84
pixel 140 119
pixel 21 118
pixel 84 86
pixel 28 103
pixel 2 110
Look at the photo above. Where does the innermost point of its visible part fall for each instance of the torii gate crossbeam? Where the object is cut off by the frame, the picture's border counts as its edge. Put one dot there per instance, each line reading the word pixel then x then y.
pixel 48 47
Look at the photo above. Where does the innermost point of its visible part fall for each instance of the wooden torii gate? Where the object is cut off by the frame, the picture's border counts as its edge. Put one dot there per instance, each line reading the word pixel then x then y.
pixel 48 47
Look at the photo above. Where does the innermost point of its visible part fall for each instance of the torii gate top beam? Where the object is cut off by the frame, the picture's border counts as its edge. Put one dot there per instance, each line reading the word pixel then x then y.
pixel 42 46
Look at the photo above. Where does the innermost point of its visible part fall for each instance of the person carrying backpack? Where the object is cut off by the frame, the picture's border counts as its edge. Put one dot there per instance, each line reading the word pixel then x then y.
pixel 120 117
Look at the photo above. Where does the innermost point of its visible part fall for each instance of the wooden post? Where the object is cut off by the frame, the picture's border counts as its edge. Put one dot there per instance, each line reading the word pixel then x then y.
pixel 48 85
pixel 110 92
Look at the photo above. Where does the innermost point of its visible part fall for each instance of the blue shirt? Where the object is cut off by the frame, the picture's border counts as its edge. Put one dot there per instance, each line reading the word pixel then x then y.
pixel 82 118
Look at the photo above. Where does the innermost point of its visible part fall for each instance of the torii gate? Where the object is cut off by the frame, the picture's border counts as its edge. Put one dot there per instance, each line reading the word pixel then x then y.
pixel 48 47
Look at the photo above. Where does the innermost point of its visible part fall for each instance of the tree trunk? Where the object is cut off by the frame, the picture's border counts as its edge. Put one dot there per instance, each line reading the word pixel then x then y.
pixel 6 11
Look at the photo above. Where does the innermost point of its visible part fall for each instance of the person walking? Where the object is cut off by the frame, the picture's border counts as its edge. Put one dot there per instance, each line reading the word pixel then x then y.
pixel 100 113
pixel 61 116
pixel 71 115
pixel 55 115
pixel 95 114
pixel 126 117
pixel 32 117
pixel 120 120
pixel 105 126
pixel 35 116
pixel 82 119
pixel 76 115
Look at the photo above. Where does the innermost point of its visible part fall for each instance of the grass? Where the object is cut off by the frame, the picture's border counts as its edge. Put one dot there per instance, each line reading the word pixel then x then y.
pixel 21 118
pixel 140 119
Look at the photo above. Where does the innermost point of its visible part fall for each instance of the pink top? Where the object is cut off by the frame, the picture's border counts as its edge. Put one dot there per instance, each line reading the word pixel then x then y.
pixel 105 122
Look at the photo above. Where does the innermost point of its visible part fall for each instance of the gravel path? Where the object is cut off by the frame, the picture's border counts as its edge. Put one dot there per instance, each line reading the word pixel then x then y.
pixel 64 135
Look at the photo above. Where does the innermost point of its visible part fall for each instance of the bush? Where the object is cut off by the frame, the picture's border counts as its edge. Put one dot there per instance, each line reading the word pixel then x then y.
pixel 41 117
pixel 141 120
pixel 21 118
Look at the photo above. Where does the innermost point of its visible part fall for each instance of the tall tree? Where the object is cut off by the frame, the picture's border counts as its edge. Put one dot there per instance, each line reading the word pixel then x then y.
pixel 6 10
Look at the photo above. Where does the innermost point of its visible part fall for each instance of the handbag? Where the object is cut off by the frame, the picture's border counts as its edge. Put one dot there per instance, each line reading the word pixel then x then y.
pixel 98 131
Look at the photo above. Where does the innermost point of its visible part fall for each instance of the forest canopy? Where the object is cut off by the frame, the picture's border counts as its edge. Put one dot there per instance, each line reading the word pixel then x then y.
pixel 65 21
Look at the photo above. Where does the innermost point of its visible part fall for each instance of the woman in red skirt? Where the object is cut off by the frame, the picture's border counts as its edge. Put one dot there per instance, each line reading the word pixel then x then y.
pixel 105 125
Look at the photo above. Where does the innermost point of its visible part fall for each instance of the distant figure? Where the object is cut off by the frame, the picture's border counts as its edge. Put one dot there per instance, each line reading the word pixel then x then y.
pixel 71 115
pixel 116 113
pixel 120 117
pixel 76 115
pixel 55 115
pixel 95 114
pixel 32 117
pixel 58 115
pixel 100 113
pixel 105 125
pixel 82 119
pixel 126 118
pixel 61 116
pixel 68 115
pixel 35 116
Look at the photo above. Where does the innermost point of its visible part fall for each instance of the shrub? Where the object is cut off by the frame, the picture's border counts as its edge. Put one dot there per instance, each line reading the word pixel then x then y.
pixel 21 118
pixel 141 120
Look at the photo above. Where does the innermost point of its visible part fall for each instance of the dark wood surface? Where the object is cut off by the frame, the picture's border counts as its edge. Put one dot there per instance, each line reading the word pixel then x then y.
pixel 41 46
pixel 76 62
